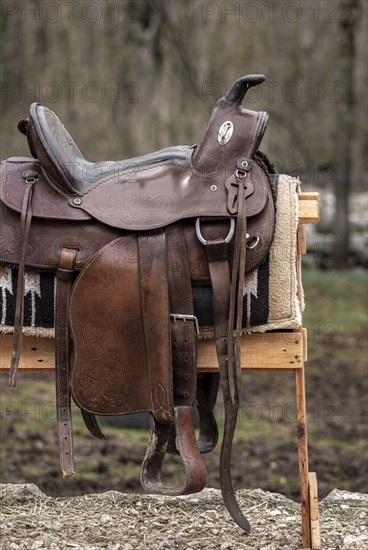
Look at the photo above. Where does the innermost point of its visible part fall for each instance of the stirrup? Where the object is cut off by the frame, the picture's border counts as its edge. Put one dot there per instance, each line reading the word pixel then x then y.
pixel 195 470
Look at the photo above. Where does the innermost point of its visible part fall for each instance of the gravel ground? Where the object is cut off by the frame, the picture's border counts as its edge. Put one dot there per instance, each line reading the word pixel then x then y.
pixel 117 521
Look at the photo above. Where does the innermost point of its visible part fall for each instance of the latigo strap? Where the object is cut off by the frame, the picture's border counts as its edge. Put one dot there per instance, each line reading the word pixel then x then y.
pixel 65 276
pixel 25 224
pixel 228 299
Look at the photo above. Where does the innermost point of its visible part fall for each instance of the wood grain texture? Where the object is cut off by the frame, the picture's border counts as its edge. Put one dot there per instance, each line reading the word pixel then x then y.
pixel 37 355
pixel 303 456
pixel 309 207
pixel 314 513
pixel 270 350
pixel 302 239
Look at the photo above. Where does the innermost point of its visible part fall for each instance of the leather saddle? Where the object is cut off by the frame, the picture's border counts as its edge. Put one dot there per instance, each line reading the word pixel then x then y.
pixel 127 240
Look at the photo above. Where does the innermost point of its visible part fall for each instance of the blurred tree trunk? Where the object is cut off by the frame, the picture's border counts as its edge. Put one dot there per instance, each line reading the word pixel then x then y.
pixel 348 21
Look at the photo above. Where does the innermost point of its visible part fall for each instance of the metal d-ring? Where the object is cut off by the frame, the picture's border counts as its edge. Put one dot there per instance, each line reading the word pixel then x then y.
pixel 240 174
pixel 205 242
pixel 30 177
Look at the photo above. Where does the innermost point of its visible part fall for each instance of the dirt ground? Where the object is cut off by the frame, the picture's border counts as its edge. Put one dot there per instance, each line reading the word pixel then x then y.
pixel 265 449
pixel 114 521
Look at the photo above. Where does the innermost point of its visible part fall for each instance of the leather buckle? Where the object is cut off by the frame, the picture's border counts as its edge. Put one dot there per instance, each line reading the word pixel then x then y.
pixel 185 318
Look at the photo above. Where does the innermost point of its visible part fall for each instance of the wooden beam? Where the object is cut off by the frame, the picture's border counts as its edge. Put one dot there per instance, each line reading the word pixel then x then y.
pixel 314 514
pixel 37 354
pixel 301 239
pixel 308 196
pixel 313 502
pixel 303 456
pixel 308 207
pixel 271 350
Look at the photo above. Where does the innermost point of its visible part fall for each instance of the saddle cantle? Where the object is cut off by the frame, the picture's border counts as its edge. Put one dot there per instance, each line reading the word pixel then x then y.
pixel 127 240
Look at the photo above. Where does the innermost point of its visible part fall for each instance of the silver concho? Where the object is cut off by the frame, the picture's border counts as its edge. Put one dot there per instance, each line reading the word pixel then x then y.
pixel 225 132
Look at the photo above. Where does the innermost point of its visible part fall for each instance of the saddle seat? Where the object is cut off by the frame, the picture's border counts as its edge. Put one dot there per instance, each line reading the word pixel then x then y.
pixel 69 170
pixel 158 189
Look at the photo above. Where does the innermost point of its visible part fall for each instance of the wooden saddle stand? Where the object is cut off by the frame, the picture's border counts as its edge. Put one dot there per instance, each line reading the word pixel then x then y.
pixel 127 241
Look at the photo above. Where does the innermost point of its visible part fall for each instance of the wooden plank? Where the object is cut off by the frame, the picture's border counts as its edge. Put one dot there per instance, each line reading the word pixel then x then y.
pixel 309 207
pixel 301 239
pixel 303 456
pixel 305 344
pixel 308 196
pixel 271 350
pixel 314 513
pixel 37 354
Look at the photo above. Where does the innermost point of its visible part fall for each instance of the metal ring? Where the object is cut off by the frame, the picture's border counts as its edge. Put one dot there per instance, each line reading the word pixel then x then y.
pixel 203 240
pixel 245 164
pixel 254 243
pixel 240 174
pixel 30 180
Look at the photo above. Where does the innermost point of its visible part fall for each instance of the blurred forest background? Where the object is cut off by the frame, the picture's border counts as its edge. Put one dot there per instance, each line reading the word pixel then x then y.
pixel 129 77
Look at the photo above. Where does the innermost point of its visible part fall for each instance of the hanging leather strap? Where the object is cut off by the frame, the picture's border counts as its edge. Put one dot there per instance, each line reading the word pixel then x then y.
pixel 65 276
pixel 228 301
pixel 232 380
pixel 178 436
pixel 237 277
pixel 91 424
pixel 184 342
pixel 183 324
pixel 25 224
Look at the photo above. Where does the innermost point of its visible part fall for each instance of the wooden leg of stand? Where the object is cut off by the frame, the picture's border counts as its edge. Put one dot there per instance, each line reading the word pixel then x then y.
pixel 313 501
pixel 303 456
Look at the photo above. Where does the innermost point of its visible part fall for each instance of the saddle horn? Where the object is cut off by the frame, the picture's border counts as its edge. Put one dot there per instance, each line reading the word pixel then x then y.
pixel 239 89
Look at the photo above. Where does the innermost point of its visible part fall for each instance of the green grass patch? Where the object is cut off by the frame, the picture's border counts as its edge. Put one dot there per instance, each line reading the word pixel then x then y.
pixel 336 302
pixel 344 445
